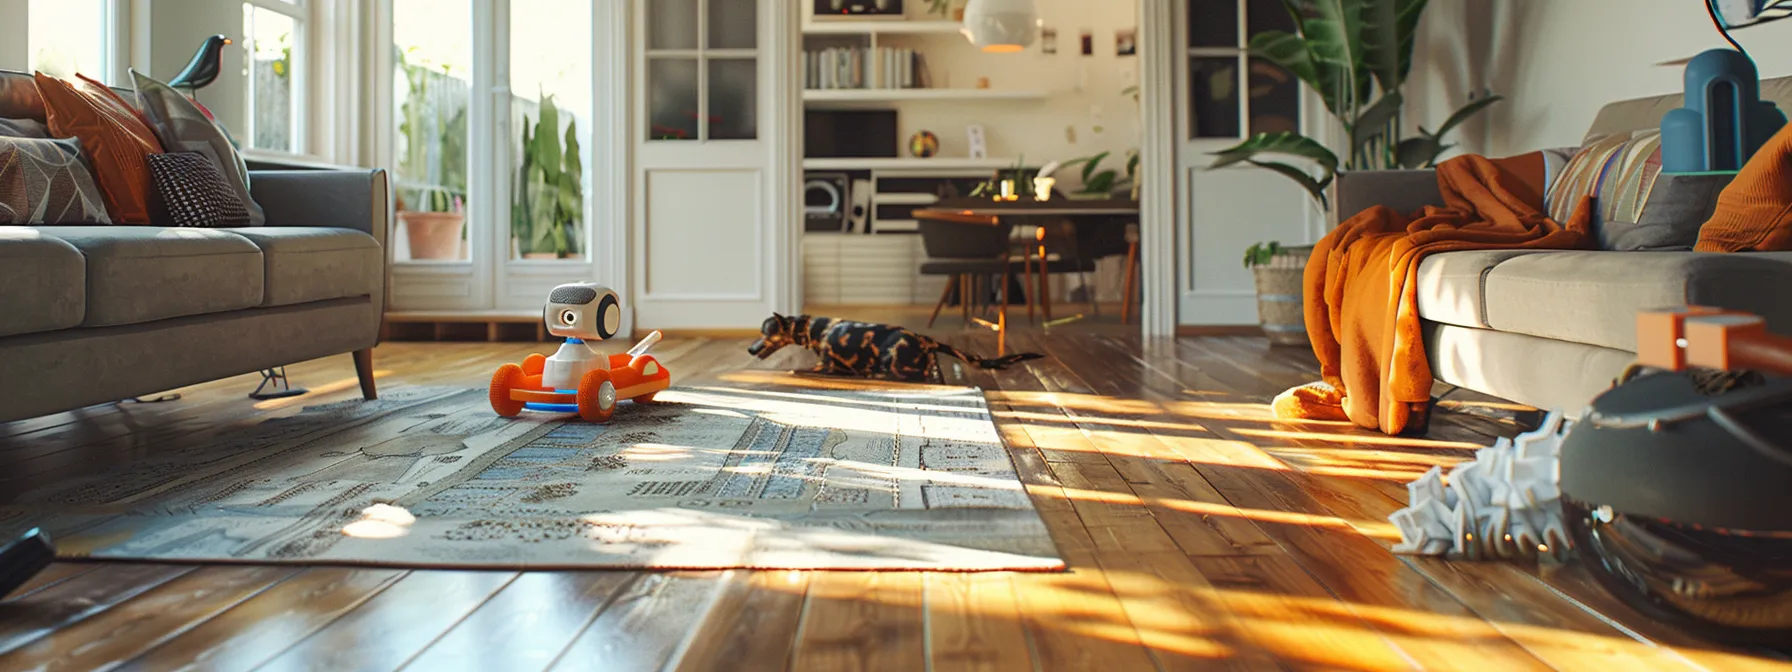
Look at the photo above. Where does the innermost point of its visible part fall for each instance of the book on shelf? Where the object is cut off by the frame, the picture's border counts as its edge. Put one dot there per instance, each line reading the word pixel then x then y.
pixel 862 68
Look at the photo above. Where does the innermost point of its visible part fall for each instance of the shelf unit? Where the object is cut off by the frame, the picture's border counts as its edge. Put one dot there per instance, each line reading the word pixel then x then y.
pixel 895 163
pixel 825 98
pixel 904 27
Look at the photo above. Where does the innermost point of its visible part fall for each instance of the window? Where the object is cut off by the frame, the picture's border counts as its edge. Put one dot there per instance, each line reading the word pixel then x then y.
pixel 272 32
pixel 1231 94
pixel 550 122
pixel 69 37
pixel 702 70
pixel 432 94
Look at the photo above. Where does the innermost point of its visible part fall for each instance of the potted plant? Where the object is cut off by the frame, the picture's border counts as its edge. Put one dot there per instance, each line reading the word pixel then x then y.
pixel 945 9
pixel 1100 184
pixel 434 228
pixel 1280 272
pixel 548 202
pixel 1356 55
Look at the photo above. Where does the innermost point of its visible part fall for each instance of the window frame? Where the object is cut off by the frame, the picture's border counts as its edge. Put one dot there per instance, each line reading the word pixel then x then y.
pixel 302 13
pixel 702 54
pixel 1240 52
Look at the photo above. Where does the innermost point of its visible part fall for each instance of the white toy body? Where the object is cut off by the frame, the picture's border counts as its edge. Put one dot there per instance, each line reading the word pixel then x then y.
pixel 566 366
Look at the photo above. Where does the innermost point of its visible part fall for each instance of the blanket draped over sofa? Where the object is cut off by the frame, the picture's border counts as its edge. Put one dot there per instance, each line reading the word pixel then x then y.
pixel 1361 281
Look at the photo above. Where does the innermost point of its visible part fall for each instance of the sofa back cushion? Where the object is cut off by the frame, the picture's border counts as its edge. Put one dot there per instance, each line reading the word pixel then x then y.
pixel 45 181
pixel 116 140
pixel 1638 114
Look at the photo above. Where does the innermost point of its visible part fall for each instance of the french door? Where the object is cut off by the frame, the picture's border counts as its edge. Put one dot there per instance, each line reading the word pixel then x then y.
pixel 713 226
pixel 492 127
pixel 1224 95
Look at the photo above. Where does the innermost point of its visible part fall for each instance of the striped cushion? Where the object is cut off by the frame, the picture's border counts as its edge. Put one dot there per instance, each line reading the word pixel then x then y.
pixel 1618 170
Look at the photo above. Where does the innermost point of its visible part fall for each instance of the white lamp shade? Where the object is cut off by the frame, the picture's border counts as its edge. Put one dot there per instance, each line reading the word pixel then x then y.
pixel 1001 25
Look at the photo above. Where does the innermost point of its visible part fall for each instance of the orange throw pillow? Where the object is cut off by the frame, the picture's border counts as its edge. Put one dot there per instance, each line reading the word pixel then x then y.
pixel 114 138
pixel 1754 213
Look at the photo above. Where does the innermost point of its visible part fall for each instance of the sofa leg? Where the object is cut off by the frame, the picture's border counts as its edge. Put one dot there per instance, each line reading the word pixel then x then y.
pixel 364 371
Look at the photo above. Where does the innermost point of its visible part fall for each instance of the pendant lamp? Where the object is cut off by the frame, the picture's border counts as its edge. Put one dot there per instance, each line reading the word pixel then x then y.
pixel 1001 26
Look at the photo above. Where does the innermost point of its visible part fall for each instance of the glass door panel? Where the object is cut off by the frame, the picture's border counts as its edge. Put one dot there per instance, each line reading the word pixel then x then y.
pixel 550 121
pixel 708 88
pixel 432 95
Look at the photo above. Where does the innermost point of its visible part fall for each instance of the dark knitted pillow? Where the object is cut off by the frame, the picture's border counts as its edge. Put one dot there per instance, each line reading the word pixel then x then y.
pixel 195 192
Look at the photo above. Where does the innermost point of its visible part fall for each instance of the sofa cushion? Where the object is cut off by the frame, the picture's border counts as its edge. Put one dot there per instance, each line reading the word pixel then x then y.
pixel 305 264
pixel 1593 297
pixel 41 282
pixel 182 127
pixel 115 139
pixel 46 182
pixel 1449 289
pixel 143 274
pixel 1677 206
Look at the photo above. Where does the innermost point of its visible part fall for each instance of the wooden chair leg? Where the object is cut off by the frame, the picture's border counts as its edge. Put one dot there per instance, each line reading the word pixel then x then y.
pixel 364 371
pixel 1027 263
pixel 1045 287
pixel 1132 275
pixel 951 283
pixel 964 296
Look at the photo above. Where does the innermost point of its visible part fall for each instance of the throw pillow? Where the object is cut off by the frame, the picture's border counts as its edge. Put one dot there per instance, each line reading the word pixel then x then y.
pixel 195 192
pixel 1678 204
pixel 23 128
pixel 1620 172
pixel 1754 213
pixel 19 98
pixel 183 127
pixel 44 181
pixel 115 138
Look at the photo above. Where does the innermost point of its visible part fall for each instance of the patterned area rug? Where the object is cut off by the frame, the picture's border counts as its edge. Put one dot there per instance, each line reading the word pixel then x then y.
pixel 766 477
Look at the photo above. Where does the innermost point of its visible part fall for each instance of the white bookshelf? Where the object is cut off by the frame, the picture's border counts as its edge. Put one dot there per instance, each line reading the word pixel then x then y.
pixel 850 27
pixel 926 165
pixel 824 98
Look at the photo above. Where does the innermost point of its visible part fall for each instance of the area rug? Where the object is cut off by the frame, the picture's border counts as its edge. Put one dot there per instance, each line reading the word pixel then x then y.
pixel 743 476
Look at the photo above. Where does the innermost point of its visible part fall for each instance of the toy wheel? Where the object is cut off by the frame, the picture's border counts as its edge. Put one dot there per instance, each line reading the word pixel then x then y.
pixel 645 398
pixel 533 364
pixel 597 396
pixel 508 377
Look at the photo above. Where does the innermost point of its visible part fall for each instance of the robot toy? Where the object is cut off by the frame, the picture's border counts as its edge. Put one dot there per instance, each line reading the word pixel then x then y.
pixel 577 378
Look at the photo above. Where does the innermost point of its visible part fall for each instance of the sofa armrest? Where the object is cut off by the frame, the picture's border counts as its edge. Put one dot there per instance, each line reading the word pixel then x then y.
pixel 345 199
pixel 1403 190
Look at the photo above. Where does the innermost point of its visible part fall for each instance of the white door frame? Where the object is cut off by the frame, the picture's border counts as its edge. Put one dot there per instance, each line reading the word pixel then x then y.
pixel 613 149
pixel 1157 168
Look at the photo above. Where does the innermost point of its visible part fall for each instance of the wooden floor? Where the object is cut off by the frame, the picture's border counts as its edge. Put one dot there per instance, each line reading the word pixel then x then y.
pixel 1200 534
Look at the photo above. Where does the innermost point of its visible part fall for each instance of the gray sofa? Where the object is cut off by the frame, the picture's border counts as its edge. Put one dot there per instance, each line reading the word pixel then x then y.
pixel 94 314
pixel 1553 329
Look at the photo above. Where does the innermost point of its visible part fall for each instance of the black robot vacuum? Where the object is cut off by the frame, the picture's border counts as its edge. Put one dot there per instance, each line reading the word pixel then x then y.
pixel 1679 501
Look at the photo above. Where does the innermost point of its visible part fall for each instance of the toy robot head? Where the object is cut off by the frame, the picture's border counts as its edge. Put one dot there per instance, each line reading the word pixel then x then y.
pixel 583 310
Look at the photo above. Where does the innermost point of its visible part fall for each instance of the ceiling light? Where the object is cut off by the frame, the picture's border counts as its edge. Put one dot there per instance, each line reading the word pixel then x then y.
pixel 1001 26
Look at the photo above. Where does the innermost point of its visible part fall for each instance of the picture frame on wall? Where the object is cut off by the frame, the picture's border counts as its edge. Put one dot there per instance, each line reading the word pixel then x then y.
pixel 1126 42
pixel 825 10
pixel 1048 40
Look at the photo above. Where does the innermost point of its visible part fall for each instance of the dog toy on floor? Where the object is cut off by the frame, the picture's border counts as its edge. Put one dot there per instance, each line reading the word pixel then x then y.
pixel 865 350
pixel 577 378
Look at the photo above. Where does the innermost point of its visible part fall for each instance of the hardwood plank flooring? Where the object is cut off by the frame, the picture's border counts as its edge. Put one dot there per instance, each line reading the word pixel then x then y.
pixel 1200 534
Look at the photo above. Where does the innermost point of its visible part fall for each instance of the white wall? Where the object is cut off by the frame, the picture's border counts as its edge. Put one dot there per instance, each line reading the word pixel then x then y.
pixel 1039 130
pixel 13 53
pixel 1559 61
pixel 177 28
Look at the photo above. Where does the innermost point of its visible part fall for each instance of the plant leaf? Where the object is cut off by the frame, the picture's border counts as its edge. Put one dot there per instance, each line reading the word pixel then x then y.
pixel 1334 33
pixel 1285 142
pixel 1316 188
pixel 1374 121
pixel 1461 115
pixel 1418 152
pixel 1389 27
pixel 1090 166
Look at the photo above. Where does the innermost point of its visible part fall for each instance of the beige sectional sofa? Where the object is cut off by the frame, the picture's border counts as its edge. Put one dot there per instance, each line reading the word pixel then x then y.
pixel 94 314
pixel 1554 328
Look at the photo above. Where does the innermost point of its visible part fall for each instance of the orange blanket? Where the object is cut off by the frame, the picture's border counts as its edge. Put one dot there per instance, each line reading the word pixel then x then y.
pixel 1361 287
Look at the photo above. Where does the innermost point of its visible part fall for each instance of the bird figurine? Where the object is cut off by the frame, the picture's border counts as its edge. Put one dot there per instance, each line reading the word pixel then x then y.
pixel 205 66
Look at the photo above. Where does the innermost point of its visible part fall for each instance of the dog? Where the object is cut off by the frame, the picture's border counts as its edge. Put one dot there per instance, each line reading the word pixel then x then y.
pixel 865 350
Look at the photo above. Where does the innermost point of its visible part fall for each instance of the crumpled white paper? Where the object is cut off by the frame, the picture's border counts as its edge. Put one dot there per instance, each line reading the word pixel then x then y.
pixel 1506 503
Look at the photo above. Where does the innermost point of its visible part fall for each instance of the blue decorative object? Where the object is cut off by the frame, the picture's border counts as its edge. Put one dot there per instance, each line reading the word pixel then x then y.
pixel 1724 120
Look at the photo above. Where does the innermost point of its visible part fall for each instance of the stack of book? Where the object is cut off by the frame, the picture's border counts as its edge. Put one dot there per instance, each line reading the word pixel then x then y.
pixel 861 68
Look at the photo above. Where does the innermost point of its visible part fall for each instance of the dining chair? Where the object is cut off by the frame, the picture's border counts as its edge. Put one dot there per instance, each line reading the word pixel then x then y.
pixel 965 249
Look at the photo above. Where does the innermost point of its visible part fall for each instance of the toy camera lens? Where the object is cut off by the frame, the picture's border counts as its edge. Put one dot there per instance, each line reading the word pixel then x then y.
pixel 569 317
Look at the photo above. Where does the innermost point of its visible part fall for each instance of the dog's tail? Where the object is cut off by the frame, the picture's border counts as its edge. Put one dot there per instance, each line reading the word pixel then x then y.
pixel 997 363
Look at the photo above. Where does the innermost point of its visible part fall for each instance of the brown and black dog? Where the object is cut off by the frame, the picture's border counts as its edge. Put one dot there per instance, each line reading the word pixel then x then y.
pixel 863 349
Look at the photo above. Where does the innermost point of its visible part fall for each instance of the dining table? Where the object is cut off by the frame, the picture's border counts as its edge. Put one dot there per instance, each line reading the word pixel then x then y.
pixel 1080 212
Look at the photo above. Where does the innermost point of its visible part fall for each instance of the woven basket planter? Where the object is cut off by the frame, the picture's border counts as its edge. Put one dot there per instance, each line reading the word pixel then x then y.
pixel 1280 310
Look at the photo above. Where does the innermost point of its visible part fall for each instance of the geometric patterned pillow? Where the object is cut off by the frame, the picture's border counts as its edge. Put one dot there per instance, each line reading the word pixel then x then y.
pixel 195 192
pixel 183 127
pixel 1618 170
pixel 47 182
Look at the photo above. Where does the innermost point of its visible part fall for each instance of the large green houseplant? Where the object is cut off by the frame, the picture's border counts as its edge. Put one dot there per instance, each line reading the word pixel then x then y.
pixel 1356 55
pixel 548 203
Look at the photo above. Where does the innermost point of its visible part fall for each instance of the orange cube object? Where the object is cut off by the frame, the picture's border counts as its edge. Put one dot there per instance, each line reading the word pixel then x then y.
pixel 1710 339
pixel 1660 335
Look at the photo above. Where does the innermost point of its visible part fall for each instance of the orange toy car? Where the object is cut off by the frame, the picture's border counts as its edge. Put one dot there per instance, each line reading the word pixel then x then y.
pixel 578 379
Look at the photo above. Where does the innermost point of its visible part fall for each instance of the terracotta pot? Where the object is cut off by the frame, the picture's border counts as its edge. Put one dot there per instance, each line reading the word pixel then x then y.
pixel 958 14
pixel 433 235
pixel 541 255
